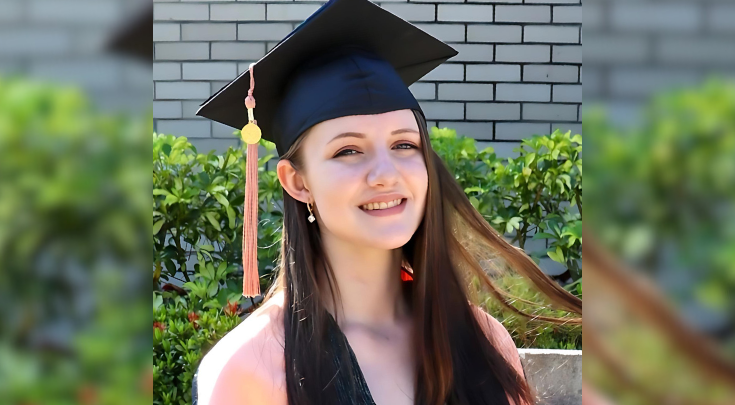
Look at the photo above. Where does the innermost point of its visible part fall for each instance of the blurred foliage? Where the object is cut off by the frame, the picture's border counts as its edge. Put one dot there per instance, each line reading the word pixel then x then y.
pixel 73 249
pixel 662 200
pixel 536 195
pixel 663 195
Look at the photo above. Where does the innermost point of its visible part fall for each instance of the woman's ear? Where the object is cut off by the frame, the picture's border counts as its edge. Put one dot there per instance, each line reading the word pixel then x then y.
pixel 293 181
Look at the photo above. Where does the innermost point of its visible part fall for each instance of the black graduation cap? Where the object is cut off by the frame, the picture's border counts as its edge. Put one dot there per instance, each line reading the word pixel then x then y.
pixel 396 54
pixel 350 57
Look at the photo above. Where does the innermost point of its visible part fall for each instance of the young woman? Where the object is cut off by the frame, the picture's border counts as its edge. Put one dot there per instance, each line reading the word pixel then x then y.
pixel 372 302
pixel 416 341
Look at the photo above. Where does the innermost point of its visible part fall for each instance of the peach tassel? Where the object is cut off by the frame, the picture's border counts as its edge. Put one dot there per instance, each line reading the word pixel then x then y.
pixel 251 135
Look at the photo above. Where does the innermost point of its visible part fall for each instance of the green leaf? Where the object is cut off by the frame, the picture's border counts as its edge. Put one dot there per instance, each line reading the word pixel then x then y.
pixel 231 217
pixel 222 200
pixel 557 256
pixel 212 220
pixel 157 226
pixel 513 223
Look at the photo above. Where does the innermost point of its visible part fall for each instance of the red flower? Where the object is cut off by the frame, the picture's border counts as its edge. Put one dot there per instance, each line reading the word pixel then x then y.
pixel 232 308
pixel 192 318
pixel 159 326
pixel 86 394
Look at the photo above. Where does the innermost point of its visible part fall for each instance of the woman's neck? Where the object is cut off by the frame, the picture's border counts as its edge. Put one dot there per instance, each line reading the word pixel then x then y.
pixel 369 282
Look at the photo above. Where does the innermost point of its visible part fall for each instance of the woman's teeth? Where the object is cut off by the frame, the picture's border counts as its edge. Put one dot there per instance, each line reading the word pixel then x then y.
pixel 381 206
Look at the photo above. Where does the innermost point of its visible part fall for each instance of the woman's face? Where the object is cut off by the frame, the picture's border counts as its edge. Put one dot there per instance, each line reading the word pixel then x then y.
pixel 351 161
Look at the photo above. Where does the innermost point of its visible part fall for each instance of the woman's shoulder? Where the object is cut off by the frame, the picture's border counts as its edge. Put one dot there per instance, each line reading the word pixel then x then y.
pixel 247 364
pixel 499 336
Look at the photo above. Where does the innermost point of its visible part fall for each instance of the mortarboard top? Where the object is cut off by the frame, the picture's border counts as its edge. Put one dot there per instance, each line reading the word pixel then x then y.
pixel 350 57
pixel 398 44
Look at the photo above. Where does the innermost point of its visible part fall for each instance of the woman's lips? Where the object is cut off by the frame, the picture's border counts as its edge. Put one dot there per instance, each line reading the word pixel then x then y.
pixel 388 211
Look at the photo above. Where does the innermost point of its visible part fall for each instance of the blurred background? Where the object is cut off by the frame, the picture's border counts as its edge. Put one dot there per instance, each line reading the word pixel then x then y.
pixel 659 123
pixel 75 125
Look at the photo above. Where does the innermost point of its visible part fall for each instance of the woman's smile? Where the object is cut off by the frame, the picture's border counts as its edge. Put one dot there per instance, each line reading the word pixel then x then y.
pixel 389 210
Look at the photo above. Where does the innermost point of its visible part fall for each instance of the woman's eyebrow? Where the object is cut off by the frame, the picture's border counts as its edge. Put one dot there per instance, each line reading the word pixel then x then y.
pixel 362 136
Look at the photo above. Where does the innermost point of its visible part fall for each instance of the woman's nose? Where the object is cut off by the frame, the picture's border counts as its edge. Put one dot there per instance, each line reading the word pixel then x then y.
pixel 383 171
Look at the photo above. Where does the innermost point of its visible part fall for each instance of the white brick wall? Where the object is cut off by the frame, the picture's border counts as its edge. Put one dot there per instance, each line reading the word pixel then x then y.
pixel 517 72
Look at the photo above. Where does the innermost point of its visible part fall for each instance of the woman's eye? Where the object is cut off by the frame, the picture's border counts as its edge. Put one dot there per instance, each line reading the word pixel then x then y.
pixel 342 152
pixel 410 146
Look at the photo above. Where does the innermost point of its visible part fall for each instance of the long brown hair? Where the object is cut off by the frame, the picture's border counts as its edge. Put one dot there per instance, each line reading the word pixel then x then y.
pixel 456 362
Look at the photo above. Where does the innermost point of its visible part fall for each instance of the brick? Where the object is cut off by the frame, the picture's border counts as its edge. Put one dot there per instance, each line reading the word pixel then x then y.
pixel 182 51
pixel 658 17
pixel 92 75
pixel 208 32
pixel 180 12
pixel 11 10
pixel 220 146
pixel 522 53
pixel 412 12
pixel 641 82
pixel 465 91
pixel 565 126
pixel 290 12
pixel 237 51
pixel 696 51
pixel 167 109
pixel 493 111
pixel 210 71
pixel 444 32
pixel 567 14
pixel 473 53
pixel 592 82
pixel 720 17
pixel 550 73
pixel 182 90
pixel 190 108
pixel 616 49
pixel 446 72
pixel 465 12
pixel 223 131
pixel 594 17
pixel 522 92
pixel 187 128
pixel 476 130
pixel 262 31
pixel 166 71
pixel 78 12
pixel 437 1
pixel 166 32
pixel 494 33
pixel 567 93
pixel 237 12
pixel 550 34
pixel 538 14
pixel 501 149
pixel 549 112
pixel 447 111
pixel 520 130
pixel 494 73
pixel 423 91
pixel 566 54
pixel 555 2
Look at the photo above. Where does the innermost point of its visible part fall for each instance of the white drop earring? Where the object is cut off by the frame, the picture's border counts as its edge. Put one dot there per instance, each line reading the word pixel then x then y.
pixel 311 216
